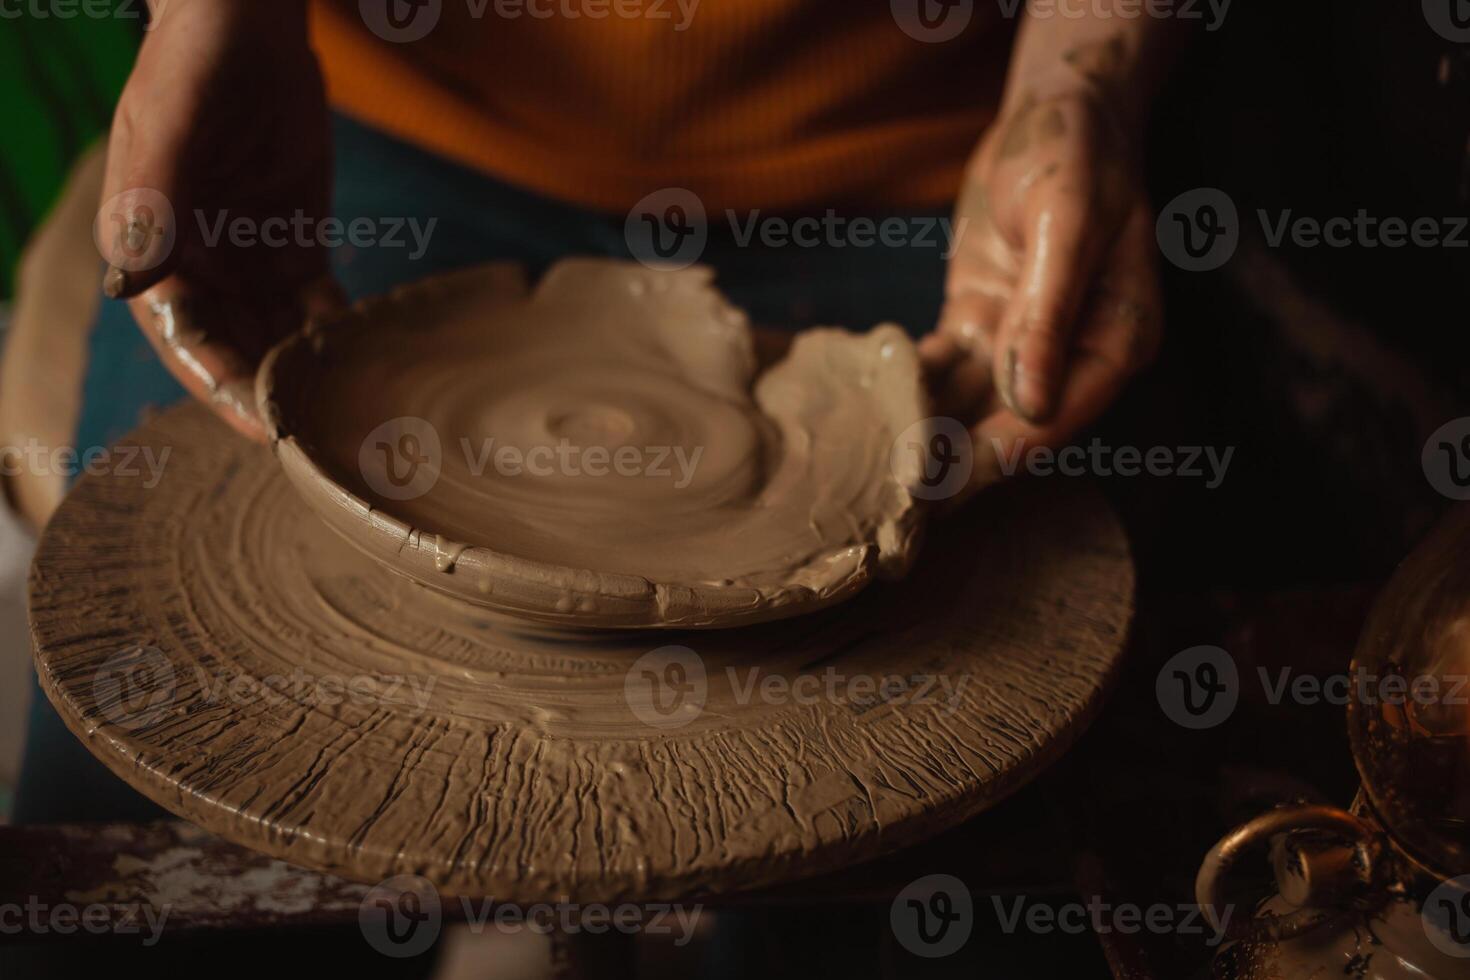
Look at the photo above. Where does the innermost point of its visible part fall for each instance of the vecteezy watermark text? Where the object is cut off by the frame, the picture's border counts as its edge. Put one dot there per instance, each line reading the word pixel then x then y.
pixel 37 918
pixel 933 917
pixel 1200 687
pixel 1364 230
pixel 1212 12
pixel 324 690
pixel 139 685
pixel 407 21
pixel 669 687
pixel 137 230
pixel 1097 459
pixel 863 692
pixel 1104 918
pixel 1200 230
pixel 36 459
pixel 543 918
pixel 403 458
pixel 1366 687
pixel 568 459
pixel 74 9
pixel 832 230
pixel 304 231
pixel 937 21
pixel 403 916
pixel 669 229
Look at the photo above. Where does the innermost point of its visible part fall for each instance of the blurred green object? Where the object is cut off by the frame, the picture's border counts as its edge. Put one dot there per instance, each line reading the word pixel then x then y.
pixel 62 64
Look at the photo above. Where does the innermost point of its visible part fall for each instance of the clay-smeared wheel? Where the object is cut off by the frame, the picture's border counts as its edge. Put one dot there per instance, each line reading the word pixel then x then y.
pixel 599 451
pixel 224 652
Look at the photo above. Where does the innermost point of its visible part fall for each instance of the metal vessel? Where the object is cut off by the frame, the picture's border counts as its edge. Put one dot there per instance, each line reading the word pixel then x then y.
pixel 1380 891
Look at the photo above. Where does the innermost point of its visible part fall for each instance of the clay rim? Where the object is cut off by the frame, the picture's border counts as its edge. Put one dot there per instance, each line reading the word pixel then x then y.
pixel 624 601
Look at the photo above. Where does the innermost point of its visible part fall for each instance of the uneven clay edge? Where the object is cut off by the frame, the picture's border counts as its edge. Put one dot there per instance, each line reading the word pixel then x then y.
pixel 624 601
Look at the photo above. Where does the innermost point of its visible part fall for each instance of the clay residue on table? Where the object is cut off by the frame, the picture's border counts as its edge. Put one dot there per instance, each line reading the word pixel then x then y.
pixel 737 498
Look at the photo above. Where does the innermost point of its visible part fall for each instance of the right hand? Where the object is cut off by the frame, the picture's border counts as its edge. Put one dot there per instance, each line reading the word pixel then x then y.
pixel 224 117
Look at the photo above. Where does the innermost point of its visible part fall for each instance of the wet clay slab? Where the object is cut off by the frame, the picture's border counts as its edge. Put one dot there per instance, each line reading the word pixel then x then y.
pixel 600 451
pixel 224 652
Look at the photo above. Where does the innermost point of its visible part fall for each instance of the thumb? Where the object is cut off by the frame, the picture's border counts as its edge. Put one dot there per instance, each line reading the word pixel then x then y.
pixel 137 228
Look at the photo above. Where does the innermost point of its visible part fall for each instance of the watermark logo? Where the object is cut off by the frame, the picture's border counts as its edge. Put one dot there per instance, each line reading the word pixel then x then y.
pixel 38 918
pixel 667 688
pixel 135 230
pixel 1104 918
pixel 1446 459
pixel 131 462
pixel 933 916
pixel 670 229
pixel 134 687
pixel 1450 19
pixel 406 21
pixel 833 230
pixel 932 21
pixel 680 13
pixel 667 229
pixel 1199 230
pixel 673 464
pixel 402 458
pixel 401 917
pixel 1206 463
pixel 933 458
pixel 1362 230
pixel 87 9
pixel 1446 917
pixel 404 692
pixel 861 693
pixel 305 231
pixel 401 21
pixel 1390 689
pixel 569 918
pixel 1198 688
pixel 1212 12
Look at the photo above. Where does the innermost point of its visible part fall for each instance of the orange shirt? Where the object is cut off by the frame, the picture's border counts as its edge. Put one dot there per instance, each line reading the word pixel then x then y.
pixel 778 104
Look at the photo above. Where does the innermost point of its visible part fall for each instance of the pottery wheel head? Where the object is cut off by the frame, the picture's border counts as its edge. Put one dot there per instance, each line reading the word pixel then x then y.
pixel 600 451
pixel 212 641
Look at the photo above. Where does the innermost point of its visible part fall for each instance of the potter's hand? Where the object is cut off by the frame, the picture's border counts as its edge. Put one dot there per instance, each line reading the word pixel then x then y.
pixel 218 174
pixel 1052 300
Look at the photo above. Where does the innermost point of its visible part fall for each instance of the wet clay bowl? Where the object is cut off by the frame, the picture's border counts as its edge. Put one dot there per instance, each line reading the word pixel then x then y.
pixel 599 451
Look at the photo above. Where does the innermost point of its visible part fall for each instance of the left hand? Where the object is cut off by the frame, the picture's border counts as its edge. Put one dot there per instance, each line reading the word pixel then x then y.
pixel 1052 298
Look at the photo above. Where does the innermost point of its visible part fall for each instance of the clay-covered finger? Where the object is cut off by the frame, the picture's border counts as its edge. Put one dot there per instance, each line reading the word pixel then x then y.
pixel 138 227
pixel 1036 331
pixel 1118 336
pixel 211 371
pixel 958 355
pixel 191 333
pixel 1003 440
